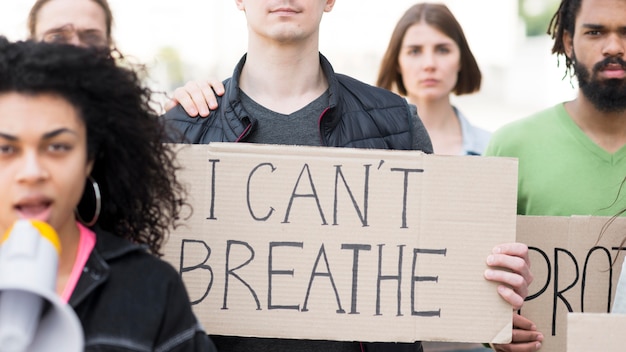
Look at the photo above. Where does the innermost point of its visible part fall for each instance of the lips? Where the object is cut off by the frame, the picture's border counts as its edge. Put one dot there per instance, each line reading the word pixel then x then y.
pixel 284 11
pixel 611 68
pixel 613 72
pixel 37 208
pixel 429 82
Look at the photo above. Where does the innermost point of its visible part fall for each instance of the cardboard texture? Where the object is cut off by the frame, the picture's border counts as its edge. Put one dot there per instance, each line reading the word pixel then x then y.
pixel 571 261
pixel 595 332
pixel 344 244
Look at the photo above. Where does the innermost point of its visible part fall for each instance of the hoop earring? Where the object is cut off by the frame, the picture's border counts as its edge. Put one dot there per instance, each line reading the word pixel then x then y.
pixel 98 197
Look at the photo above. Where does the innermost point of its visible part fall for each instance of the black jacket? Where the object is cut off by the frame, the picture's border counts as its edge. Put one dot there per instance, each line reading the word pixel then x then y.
pixel 358 116
pixel 129 300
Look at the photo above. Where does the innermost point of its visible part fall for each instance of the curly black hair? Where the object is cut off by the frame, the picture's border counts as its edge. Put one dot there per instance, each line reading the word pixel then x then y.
pixel 136 172
pixel 564 20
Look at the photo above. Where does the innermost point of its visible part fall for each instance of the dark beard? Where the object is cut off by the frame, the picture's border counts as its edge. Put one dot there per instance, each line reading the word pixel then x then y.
pixel 606 95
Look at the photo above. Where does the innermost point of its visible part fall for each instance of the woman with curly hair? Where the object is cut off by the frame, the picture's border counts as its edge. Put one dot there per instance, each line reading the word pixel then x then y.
pixel 80 149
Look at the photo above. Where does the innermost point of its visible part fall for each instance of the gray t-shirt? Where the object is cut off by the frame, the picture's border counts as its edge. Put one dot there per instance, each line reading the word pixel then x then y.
pixel 302 125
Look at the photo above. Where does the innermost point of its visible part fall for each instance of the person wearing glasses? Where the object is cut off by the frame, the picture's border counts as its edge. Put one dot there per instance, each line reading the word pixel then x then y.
pixel 85 23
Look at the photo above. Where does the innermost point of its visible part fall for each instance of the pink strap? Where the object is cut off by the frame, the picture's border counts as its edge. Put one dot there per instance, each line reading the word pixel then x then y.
pixel 85 246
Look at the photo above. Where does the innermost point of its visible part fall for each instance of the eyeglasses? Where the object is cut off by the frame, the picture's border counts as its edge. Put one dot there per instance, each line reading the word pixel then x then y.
pixel 68 34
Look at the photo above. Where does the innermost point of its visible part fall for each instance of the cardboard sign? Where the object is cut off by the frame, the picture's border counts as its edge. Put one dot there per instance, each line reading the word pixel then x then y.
pixel 572 261
pixel 595 332
pixel 344 244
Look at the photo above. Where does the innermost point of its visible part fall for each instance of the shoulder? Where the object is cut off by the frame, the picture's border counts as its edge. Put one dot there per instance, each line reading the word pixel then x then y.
pixel 475 139
pixel 132 261
pixel 177 113
pixel 180 127
pixel 469 129
pixel 544 117
pixel 364 90
pixel 146 268
pixel 510 138
pixel 344 84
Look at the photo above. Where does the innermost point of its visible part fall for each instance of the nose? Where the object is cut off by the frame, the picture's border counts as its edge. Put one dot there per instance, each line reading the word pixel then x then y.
pixel 614 46
pixel 428 60
pixel 74 39
pixel 32 169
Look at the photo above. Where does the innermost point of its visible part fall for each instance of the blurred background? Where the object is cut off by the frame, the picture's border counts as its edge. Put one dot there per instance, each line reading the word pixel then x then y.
pixel 192 39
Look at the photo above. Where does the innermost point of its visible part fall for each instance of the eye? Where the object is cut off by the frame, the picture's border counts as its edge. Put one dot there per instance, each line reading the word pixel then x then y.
pixel 414 50
pixel 593 33
pixel 6 149
pixel 59 147
pixel 56 37
pixel 93 39
pixel 443 49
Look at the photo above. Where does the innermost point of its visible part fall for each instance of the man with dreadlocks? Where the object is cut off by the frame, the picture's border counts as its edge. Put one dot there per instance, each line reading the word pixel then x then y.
pixel 572 156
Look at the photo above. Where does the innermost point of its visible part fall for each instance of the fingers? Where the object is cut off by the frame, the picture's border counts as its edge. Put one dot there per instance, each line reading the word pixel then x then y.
pixel 513 249
pixel 511 296
pixel 198 97
pixel 187 96
pixel 170 104
pixel 525 333
pixel 525 336
pixel 521 322
pixel 513 287
pixel 509 265
pixel 210 90
pixel 217 86
pixel 519 347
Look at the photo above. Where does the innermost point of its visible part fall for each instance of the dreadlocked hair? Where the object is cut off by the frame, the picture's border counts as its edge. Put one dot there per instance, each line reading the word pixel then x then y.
pixel 564 20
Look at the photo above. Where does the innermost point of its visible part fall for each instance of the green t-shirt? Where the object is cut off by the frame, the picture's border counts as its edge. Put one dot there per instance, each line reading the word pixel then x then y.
pixel 562 172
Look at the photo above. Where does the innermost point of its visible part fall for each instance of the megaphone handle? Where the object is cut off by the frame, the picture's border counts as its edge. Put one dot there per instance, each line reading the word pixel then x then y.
pixel 20 312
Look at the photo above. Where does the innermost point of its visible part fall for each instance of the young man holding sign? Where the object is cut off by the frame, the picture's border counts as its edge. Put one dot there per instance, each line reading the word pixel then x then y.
pixel 284 91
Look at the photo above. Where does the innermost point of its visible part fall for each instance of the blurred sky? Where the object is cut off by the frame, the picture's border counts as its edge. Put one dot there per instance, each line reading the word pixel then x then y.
pixel 520 75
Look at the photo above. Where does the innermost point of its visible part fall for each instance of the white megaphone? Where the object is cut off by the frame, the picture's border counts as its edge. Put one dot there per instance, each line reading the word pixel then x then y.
pixel 32 316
